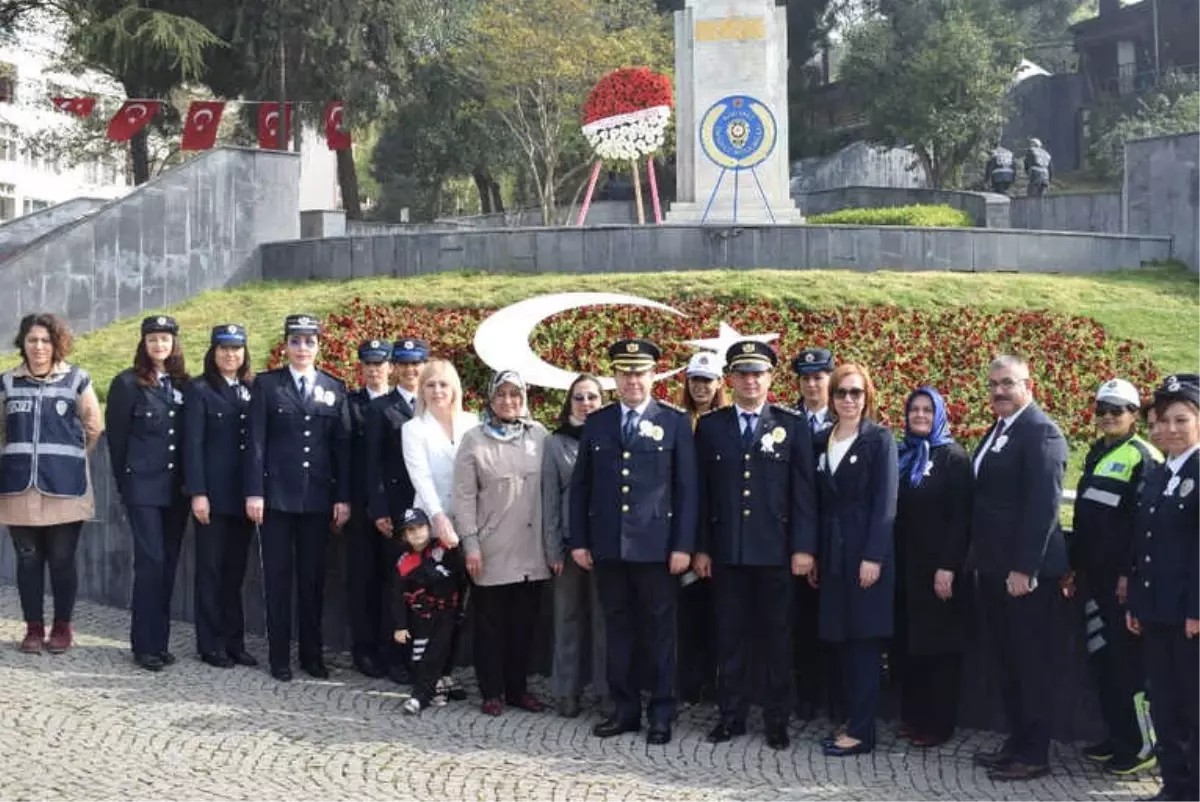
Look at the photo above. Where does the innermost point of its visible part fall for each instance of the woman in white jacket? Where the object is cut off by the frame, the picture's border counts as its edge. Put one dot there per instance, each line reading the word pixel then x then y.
pixel 431 440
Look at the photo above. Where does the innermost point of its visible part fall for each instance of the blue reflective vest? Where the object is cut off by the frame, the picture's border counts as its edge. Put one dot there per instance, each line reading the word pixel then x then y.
pixel 44 444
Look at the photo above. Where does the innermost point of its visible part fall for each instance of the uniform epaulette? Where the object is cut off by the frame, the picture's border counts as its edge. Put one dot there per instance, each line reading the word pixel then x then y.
pixel 788 410
pixel 330 376
pixel 669 405
pixel 609 404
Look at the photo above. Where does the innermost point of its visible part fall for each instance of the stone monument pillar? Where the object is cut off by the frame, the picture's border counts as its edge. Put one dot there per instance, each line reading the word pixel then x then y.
pixel 731 50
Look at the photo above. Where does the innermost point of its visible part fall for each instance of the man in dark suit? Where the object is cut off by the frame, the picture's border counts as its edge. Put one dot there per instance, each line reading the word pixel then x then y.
pixel 297 480
pixel 758 523
pixel 1018 551
pixel 633 521
pixel 391 490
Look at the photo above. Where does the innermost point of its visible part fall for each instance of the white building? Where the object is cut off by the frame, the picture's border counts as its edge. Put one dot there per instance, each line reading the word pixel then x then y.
pixel 29 180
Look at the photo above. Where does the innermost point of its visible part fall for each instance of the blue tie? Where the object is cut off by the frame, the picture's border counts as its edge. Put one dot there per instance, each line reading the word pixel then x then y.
pixel 630 427
pixel 304 388
pixel 812 422
pixel 165 383
pixel 748 428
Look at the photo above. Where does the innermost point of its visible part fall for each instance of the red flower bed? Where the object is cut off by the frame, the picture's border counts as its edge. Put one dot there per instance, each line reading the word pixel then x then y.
pixel 902 348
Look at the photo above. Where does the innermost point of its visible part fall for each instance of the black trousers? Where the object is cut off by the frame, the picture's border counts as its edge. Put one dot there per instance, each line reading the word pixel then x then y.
pixel 370 558
pixel 431 639
pixel 930 685
pixel 222 551
pixel 696 627
pixel 1172 666
pixel 38 547
pixel 862 664
pixel 1018 627
pixel 639 601
pixel 754 607
pixel 1117 670
pixel 816 663
pixel 157 537
pixel 293 544
pixel 505 620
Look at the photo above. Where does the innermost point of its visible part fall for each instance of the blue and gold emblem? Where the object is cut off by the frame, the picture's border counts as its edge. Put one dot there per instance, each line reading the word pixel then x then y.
pixel 738 132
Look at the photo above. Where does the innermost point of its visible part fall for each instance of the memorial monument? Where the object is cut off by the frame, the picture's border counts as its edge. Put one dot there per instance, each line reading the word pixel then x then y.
pixel 731 115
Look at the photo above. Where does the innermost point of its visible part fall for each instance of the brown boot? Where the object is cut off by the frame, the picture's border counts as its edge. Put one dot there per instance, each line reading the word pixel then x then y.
pixel 34 632
pixel 60 637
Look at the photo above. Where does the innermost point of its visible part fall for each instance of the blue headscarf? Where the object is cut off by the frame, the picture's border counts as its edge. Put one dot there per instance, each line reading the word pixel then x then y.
pixel 914 450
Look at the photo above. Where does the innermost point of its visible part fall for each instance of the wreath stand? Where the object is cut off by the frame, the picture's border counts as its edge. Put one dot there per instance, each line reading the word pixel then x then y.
pixel 637 192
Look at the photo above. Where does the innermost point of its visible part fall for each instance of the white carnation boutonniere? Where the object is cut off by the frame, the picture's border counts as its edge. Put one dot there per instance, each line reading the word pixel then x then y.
pixel 652 430
pixel 1001 441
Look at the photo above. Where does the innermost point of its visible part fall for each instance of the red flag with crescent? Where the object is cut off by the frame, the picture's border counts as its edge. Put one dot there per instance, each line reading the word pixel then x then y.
pixel 133 116
pixel 79 106
pixel 337 135
pixel 268 125
pixel 200 125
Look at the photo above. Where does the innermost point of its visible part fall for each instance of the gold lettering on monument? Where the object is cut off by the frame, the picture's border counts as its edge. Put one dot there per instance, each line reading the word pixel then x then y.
pixel 737 29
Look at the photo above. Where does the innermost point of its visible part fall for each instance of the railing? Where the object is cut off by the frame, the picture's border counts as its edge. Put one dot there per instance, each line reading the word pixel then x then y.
pixel 1130 80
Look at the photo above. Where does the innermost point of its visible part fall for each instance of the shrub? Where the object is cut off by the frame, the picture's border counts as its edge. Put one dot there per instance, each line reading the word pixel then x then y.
pixel 923 216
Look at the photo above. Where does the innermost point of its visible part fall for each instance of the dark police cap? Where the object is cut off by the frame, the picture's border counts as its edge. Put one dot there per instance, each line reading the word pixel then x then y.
pixel 633 355
pixel 410 349
pixel 159 323
pixel 415 516
pixel 750 356
pixel 813 360
pixel 228 334
pixel 1179 387
pixel 374 351
pixel 302 324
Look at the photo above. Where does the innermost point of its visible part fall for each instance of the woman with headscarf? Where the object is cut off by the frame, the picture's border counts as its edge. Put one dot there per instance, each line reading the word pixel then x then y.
pixel 497 504
pixel 933 518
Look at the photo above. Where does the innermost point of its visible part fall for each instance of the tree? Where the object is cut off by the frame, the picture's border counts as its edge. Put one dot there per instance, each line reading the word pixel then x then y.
pixel 934 75
pixel 1173 107
pixel 535 60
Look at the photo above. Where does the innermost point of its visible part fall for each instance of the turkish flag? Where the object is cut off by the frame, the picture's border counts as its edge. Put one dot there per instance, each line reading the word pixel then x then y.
pixel 336 135
pixel 200 125
pixel 79 106
pixel 133 116
pixel 268 125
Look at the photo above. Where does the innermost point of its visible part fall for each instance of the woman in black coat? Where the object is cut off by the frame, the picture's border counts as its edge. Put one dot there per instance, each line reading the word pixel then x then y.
pixel 933 525
pixel 856 484
pixel 217 404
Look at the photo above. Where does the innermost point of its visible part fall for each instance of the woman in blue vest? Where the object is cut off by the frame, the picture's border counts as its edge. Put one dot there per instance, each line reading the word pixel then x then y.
pixel 144 418
pixel 216 406
pixel 52 418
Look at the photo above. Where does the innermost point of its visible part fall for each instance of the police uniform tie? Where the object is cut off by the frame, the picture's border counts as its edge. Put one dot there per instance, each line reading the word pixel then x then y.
pixel 812 422
pixel 165 383
pixel 304 388
pixel 748 419
pixel 630 427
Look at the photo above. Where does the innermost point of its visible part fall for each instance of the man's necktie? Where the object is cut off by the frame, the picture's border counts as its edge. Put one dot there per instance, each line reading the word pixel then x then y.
pixel 748 428
pixel 630 427
pixel 812 422
pixel 999 432
pixel 304 388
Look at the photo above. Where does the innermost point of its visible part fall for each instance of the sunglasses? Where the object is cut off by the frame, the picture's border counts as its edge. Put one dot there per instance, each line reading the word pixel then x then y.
pixel 1103 409
pixel 842 393
pixel 585 397
pixel 302 342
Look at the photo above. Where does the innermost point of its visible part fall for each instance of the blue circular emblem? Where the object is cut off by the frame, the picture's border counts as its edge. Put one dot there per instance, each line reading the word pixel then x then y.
pixel 738 132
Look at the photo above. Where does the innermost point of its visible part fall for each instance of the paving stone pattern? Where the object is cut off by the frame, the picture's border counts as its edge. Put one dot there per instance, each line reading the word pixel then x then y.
pixel 90 725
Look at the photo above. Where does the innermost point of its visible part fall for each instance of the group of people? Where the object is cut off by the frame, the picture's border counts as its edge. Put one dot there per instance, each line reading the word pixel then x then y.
pixel 1000 172
pixel 718 533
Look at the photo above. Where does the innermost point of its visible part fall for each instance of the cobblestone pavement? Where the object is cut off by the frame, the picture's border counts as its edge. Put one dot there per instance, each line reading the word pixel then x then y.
pixel 90 725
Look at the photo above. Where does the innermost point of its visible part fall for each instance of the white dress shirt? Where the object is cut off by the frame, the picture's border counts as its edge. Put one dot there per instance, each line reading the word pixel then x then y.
pixel 309 376
pixel 1175 465
pixel 838 449
pixel 987 446
pixel 757 413
pixel 429 457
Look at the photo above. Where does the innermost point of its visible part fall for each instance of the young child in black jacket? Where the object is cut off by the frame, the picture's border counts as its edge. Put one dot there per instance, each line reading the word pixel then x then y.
pixel 425 598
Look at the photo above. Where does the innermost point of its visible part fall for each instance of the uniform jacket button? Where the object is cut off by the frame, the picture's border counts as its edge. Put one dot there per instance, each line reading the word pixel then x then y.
pixel 745 513
pixel 307 433
pixel 624 508
pixel 625 455
pixel 304 464
pixel 624 471
pixel 1146 583
pixel 171 414
pixel 625 488
pixel 171 447
pixel 746 475
pixel 170 465
pixel 308 417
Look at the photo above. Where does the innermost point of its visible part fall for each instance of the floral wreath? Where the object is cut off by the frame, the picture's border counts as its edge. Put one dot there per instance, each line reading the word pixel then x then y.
pixel 626 114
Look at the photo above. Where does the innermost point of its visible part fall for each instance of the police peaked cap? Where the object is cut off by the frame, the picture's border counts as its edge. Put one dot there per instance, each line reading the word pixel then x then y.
pixel 159 323
pixel 228 334
pixel 633 355
pixel 374 351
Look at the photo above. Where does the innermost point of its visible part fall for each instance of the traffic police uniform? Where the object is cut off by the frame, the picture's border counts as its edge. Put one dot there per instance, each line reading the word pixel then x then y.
pixel 634 503
pixel 1099 551
pixel 299 463
pixel 145 436
pixel 1037 168
pixel 215 448
pixel 1000 171
pixel 757 509
pixel 1164 593
pixel 365 545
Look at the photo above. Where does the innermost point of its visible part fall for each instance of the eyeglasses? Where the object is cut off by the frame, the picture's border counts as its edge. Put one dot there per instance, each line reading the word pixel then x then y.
pixel 842 393
pixel 1007 383
pixel 302 342
pixel 1103 409
pixel 585 397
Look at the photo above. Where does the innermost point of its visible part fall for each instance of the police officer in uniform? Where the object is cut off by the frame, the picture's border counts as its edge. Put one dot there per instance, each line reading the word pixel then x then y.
pixel 814 366
pixel 1000 173
pixel 1098 551
pixel 297 481
pixel 391 490
pixel 633 520
pixel 217 406
pixel 364 547
pixel 144 418
pixel 1037 168
pixel 1164 590
pixel 758 520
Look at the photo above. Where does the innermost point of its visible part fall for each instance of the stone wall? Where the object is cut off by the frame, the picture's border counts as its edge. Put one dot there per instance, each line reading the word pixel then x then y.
pixel 677 247
pixel 1161 193
pixel 1085 211
pixel 1048 107
pixel 23 231
pixel 194 228
pixel 987 209
pixel 858 164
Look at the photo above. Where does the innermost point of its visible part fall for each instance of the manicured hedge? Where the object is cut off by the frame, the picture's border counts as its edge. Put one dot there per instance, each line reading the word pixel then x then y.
pixel 927 216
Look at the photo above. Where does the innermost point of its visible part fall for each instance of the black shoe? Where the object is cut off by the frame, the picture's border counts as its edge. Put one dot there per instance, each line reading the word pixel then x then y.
pixel 568 707
pixel 150 662
pixel 315 669
pixel 725 730
pixel 242 657
pixel 1016 770
pixel 400 675
pixel 615 726
pixel 993 760
pixel 366 664
pixel 457 694
pixel 282 673
pixel 217 660
pixel 777 737
pixel 658 734
pixel 167 658
pixel 860 748
pixel 1100 752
